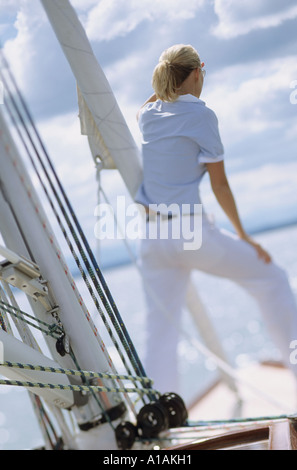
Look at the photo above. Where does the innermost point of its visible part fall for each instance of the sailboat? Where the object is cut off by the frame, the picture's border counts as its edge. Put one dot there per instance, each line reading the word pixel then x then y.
pixel 66 366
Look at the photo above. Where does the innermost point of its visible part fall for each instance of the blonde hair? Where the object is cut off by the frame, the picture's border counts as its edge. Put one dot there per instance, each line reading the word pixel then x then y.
pixel 175 65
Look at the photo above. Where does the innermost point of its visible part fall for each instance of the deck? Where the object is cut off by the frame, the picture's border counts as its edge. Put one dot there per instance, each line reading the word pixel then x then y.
pixel 266 391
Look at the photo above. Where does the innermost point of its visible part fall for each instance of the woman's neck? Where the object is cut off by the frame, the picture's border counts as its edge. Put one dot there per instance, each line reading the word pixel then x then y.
pixel 192 85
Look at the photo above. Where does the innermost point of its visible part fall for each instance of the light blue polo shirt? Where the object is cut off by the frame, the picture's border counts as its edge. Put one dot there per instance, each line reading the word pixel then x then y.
pixel 178 138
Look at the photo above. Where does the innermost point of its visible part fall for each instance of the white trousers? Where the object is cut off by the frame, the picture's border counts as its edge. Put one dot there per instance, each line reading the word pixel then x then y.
pixel 166 267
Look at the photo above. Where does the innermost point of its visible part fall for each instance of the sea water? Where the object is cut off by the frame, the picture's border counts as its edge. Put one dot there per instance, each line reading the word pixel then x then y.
pixel 234 316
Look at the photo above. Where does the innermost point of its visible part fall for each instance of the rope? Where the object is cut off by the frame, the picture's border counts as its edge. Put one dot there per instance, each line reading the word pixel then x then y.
pixel 81 373
pixel 74 388
pixel 2 323
pixel 53 330
pixel 77 388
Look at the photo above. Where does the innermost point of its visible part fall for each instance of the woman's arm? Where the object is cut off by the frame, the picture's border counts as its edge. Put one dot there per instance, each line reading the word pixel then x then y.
pixel 224 196
pixel 151 99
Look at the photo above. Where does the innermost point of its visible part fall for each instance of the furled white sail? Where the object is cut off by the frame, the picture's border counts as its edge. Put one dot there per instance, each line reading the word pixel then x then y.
pixel 106 126
pixel 88 126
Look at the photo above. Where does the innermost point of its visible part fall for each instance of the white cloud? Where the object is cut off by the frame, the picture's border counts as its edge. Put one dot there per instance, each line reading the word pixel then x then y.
pixel 114 18
pixel 21 51
pixel 239 18
pixel 252 98
pixel 9 6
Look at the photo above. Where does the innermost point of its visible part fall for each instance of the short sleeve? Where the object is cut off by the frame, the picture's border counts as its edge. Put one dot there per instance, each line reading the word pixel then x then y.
pixel 208 138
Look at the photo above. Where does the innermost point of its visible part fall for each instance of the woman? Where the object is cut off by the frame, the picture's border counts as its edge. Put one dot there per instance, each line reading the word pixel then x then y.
pixel 181 142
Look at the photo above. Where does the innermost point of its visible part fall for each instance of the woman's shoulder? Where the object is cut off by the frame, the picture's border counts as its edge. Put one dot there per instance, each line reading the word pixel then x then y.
pixel 194 108
pixel 205 112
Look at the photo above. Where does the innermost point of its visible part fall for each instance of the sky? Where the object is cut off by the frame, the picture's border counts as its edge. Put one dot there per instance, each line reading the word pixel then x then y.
pixel 249 48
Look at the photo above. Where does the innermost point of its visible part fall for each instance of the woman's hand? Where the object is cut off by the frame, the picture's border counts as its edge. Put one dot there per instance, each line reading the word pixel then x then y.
pixel 151 99
pixel 262 254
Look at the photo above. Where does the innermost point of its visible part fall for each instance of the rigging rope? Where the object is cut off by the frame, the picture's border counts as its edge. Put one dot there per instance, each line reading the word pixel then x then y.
pixel 82 373
pixel 53 330
pixel 190 425
pixel 79 388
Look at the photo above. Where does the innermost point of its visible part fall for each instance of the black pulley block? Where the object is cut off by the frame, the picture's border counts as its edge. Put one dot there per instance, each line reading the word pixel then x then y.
pixel 152 419
pixel 125 434
pixel 176 409
pixel 62 345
